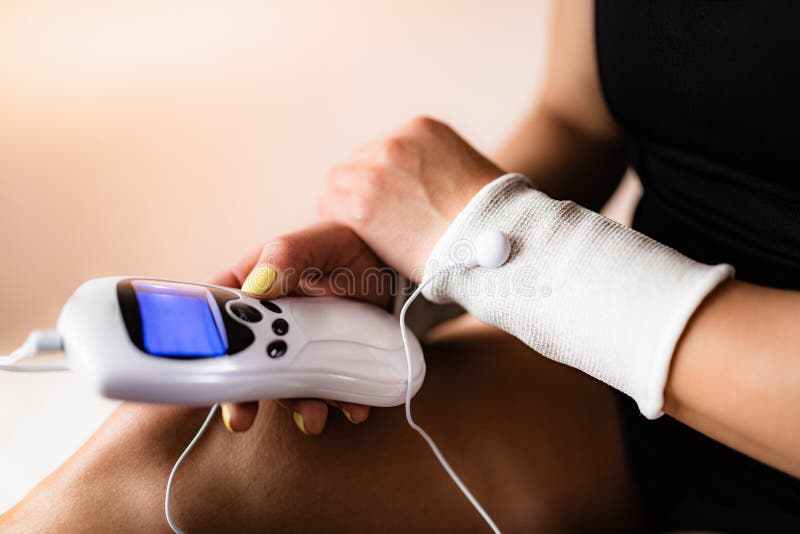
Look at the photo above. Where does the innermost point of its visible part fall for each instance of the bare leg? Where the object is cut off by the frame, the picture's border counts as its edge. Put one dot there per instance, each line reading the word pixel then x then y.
pixel 538 443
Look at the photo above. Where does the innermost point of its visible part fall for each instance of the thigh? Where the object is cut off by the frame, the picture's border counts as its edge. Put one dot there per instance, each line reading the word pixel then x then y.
pixel 538 443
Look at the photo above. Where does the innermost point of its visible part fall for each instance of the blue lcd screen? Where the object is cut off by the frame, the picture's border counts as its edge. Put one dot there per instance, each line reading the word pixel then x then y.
pixel 177 320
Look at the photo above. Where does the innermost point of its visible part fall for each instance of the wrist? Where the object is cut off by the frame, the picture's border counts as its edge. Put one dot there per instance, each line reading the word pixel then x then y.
pixel 467 190
pixel 454 243
pixel 457 204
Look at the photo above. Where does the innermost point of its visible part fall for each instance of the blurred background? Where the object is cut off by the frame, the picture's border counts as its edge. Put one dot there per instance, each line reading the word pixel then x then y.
pixel 167 138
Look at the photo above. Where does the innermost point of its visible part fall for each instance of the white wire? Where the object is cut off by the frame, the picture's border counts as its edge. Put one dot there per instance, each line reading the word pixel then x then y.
pixel 182 457
pixel 38 341
pixel 33 368
pixel 431 443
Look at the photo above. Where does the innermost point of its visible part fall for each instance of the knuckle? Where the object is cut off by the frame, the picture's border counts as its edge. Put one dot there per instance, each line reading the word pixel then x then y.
pixel 362 209
pixel 424 123
pixel 393 150
pixel 374 177
pixel 282 250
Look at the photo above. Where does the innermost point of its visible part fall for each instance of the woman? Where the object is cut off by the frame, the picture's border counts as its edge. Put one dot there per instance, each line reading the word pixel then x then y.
pixel 693 95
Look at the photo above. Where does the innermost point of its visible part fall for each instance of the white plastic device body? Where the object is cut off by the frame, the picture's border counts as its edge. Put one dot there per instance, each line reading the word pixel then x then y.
pixel 334 348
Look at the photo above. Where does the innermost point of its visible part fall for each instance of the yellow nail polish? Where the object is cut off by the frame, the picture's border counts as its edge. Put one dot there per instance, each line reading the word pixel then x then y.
pixel 259 280
pixel 226 417
pixel 300 422
pixel 346 413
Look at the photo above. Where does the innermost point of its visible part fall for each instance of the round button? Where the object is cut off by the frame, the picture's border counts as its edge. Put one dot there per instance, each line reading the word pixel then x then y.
pixel 271 306
pixel 245 312
pixel 280 327
pixel 276 349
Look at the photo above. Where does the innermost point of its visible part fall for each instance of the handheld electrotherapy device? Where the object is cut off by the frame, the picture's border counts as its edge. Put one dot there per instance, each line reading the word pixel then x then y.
pixel 162 341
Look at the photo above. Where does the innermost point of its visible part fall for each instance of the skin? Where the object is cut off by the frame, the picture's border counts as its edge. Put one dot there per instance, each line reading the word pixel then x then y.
pixel 539 444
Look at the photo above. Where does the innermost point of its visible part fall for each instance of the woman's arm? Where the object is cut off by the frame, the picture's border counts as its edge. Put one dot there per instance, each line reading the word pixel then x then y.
pixel 569 145
pixel 735 375
pixel 736 367
pixel 586 291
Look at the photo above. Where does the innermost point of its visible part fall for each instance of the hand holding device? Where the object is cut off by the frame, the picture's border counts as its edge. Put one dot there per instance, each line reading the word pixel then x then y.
pixel 339 263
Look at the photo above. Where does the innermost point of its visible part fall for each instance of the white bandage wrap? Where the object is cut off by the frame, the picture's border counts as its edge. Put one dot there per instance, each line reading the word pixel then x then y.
pixel 578 288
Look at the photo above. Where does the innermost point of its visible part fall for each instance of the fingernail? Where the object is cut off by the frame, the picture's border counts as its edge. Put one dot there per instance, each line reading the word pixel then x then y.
pixel 226 417
pixel 300 422
pixel 346 413
pixel 259 280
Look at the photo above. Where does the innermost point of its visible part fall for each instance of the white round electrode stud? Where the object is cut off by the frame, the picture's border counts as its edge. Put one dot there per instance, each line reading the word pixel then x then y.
pixel 492 248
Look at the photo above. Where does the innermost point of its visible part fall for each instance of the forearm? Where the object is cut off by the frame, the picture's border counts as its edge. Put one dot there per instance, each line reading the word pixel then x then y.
pixel 735 374
pixel 638 316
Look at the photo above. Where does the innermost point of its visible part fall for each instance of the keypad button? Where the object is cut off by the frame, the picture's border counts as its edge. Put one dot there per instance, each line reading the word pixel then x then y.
pixel 280 327
pixel 245 312
pixel 271 306
pixel 276 349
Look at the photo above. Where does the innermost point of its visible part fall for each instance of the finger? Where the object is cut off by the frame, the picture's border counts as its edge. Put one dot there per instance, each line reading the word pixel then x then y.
pixel 239 417
pixel 309 415
pixel 376 286
pixel 355 413
pixel 284 261
pixel 229 276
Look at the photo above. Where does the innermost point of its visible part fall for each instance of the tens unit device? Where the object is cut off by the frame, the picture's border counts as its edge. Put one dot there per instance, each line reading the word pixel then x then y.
pixel 171 342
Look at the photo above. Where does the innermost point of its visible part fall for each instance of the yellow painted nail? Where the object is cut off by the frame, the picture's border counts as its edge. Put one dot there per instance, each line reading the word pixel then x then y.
pixel 300 422
pixel 226 417
pixel 259 280
pixel 346 413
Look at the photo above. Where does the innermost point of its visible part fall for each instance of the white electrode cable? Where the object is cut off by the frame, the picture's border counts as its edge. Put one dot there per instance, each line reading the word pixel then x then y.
pixel 491 250
pixel 38 341
pixel 175 467
pixel 431 443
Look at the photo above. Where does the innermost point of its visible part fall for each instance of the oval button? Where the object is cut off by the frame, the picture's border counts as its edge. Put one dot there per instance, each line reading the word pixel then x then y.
pixel 245 313
pixel 280 327
pixel 271 306
pixel 276 349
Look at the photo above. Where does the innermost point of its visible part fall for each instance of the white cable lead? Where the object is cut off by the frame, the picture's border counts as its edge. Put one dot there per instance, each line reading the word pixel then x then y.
pixel 38 341
pixel 182 457
pixel 431 443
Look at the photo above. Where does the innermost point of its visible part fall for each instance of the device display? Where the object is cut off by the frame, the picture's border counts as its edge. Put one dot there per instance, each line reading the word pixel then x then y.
pixel 179 320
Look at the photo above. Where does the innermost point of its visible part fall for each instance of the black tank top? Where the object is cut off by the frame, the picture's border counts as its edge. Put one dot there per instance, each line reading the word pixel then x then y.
pixel 708 93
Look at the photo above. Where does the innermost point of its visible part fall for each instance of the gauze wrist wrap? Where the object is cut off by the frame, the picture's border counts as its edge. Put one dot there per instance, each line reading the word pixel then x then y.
pixel 578 288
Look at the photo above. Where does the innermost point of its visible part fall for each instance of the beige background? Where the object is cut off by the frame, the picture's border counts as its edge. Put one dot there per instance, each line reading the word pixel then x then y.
pixel 166 138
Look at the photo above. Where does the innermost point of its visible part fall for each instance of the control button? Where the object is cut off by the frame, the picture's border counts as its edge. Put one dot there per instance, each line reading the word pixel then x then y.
pixel 276 349
pixel 271 306
pixel 245 312
pixel 280 327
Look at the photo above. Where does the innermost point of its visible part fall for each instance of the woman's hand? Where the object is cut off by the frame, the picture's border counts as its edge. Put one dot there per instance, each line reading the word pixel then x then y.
pixel 400 194
pixel 323 259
